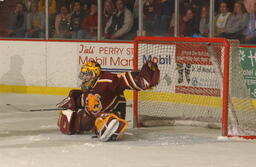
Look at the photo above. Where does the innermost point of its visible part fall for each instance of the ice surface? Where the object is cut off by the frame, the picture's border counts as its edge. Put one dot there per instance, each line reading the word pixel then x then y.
pixel 31 139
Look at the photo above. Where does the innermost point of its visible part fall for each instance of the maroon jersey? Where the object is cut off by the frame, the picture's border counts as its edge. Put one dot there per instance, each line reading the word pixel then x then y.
pixel 107 92
pixel 104 96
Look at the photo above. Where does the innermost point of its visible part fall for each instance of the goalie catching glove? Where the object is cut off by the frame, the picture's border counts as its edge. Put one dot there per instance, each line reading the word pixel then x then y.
pixel 148 76
pixel 109 126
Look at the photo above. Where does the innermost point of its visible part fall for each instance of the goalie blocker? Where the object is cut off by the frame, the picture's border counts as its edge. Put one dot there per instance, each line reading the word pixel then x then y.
pixel 98 106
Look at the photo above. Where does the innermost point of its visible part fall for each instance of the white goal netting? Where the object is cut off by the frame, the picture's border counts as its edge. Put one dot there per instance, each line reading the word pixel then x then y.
pixel 191 87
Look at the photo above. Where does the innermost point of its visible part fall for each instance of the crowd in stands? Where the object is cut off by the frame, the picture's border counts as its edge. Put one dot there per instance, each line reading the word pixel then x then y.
pixel 234 19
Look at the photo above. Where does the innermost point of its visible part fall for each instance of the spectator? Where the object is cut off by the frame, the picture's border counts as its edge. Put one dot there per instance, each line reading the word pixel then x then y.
pixel 35 23
pixel 86 5
pixel 17 26
pixel 61 3
pixel 130 4
pixel 221 18
pixel 164 10
pixel 90 23
pixel 136 16
pixel 149 11
pixel 62 23
pixel 108 10
pixel 76 21
pixel 236 23
pixel 230 4
pixel 204 21
pixel 120 23
pixel 187 24
pixel 28 4
pixel 250 31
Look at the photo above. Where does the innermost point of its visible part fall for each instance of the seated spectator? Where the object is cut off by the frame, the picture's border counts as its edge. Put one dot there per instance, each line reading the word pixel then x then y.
pixel 236 23
pixel 196 7
pixel 86 5
pixel 164 10
pixel 204 21
pixel 108 10
pixel 62 23
pixel 90 23
pixel 250 31
pixel 221 18
pixel 61 3
pixel 149 11
pixel 136 14
pixel 35 23
pixel 187 24
pixel 120 23
pixel 129 4
pixel 17 26
pixel 76 21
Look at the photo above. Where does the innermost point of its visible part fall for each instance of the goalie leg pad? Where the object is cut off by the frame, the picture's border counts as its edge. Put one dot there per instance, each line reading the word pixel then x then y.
pixel 109 126
pixel 71 122
pixel 65 122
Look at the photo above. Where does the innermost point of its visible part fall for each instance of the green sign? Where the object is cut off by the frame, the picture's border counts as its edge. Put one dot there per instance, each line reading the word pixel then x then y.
pixel 248 63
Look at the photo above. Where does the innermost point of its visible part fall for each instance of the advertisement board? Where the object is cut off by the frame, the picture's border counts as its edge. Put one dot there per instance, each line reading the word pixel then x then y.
pixel 111 56
pixel 183 69
pixel 248 63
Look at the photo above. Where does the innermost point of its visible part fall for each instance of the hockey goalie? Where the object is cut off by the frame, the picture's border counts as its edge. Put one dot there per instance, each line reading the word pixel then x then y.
pixel 100 104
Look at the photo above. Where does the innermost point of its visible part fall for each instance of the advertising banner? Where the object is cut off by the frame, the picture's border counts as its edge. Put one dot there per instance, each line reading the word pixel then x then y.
pixel 197 71
pixel 248 63
pixel 186 70
pixel 111 56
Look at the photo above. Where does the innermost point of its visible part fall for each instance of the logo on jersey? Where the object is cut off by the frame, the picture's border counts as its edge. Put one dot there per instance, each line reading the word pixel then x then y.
pixel 93 103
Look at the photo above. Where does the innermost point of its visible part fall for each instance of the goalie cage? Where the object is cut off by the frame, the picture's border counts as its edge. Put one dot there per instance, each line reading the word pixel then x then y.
pixel 201 83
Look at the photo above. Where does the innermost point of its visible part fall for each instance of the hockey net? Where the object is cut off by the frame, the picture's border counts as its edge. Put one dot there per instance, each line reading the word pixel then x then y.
pixel 201 83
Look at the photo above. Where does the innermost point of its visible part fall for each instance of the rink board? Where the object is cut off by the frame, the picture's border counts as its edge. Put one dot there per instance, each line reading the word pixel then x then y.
pixel 51 67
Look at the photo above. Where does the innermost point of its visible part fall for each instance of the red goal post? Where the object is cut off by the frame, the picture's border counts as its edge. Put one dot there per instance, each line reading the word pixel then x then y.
pixel 219 51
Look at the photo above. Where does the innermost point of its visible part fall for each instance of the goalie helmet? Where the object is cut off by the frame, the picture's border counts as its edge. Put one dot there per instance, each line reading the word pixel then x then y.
pixel 89 73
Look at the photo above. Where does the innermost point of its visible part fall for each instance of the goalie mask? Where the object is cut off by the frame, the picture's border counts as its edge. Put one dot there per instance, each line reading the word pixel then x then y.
pixel 89 73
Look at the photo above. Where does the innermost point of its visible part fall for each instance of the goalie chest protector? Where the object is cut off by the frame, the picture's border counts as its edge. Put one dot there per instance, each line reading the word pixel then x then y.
pixel 105 95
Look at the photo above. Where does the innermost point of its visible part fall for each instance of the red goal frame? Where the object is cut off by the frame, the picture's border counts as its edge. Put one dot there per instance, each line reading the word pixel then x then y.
pixel 225 99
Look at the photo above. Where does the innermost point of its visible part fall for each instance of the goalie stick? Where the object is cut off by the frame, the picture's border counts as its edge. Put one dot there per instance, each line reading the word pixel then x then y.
pixel 55 109
pixel 46 109
pixel 32 110
pixel 16 108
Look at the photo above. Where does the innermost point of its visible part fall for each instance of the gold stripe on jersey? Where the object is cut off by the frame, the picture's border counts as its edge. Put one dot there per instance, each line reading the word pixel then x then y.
pixel 105 80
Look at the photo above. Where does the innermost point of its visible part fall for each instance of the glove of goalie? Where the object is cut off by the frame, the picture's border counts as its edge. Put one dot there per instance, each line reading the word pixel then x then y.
pixel 72 102
pixel 149 75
